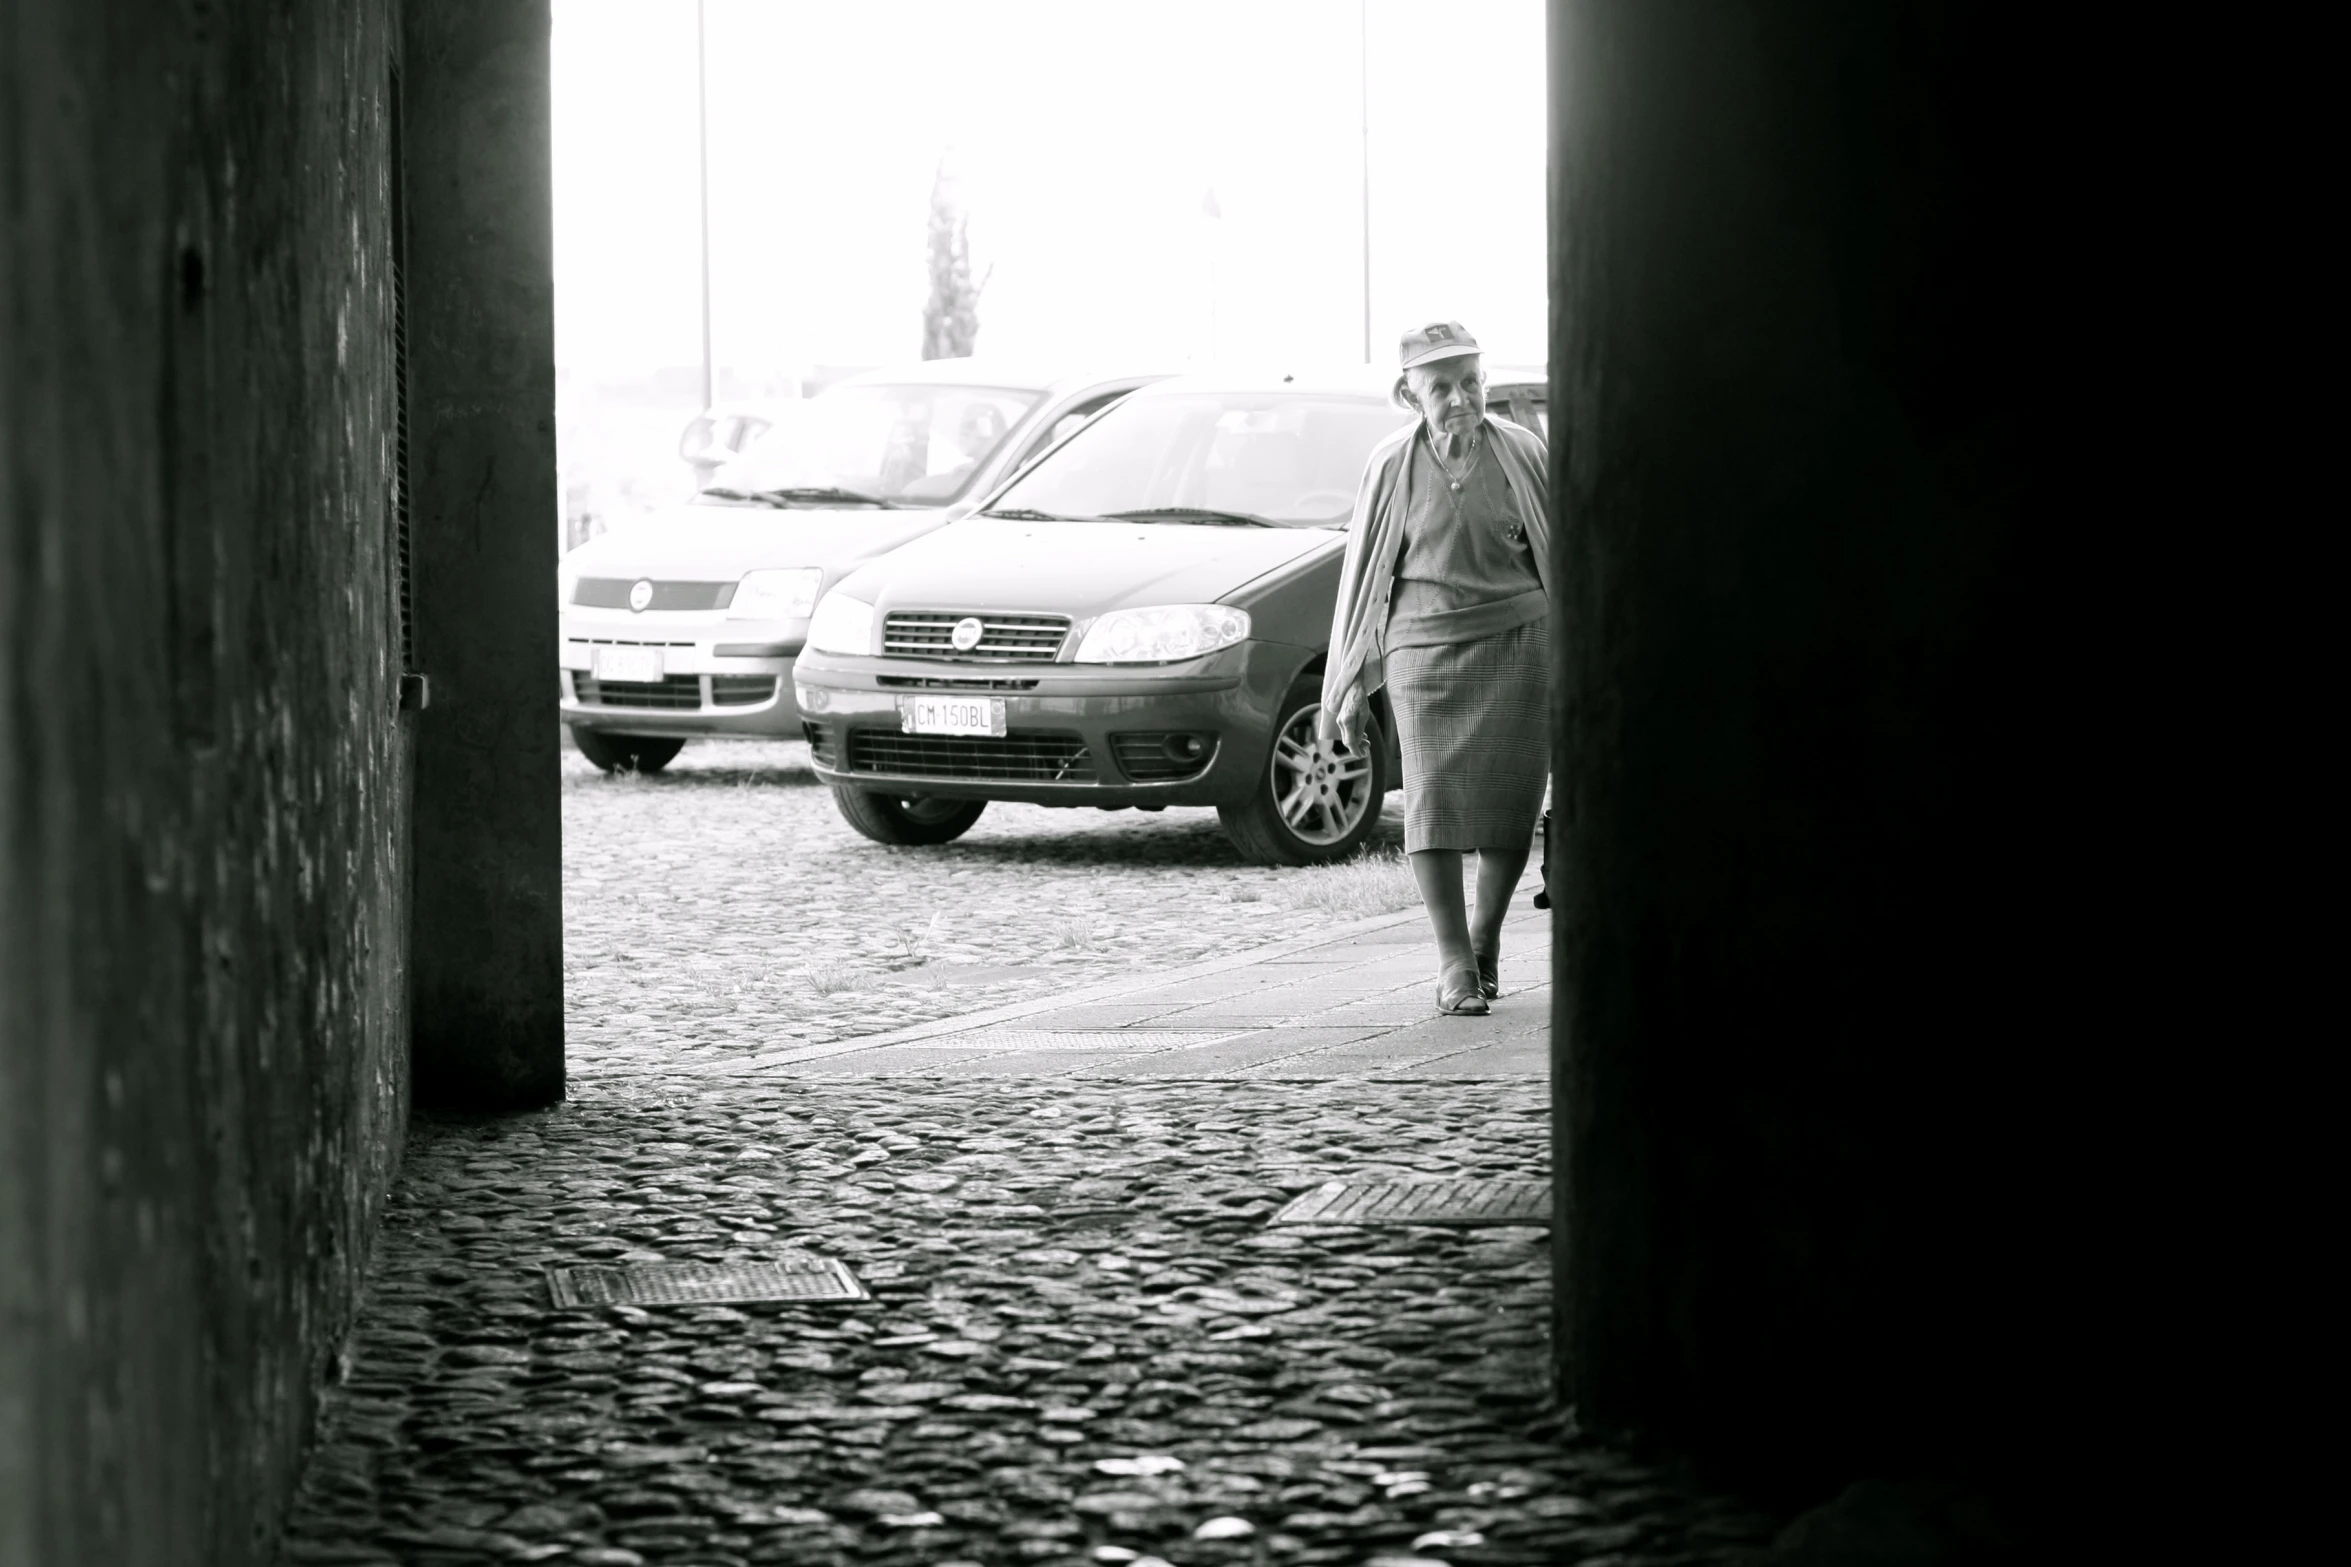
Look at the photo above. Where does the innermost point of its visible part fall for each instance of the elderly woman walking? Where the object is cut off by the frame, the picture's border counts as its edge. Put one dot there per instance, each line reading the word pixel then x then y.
pixel 1445 599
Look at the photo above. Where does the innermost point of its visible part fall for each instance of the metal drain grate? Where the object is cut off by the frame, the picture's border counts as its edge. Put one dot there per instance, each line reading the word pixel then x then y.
pixel 1422 1202
pixel 704 1283
pixel 1104 1039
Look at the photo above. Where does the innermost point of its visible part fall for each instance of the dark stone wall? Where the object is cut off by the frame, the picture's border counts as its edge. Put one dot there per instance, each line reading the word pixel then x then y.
pixel 481 316
pixel 203 771
pixel 1813 839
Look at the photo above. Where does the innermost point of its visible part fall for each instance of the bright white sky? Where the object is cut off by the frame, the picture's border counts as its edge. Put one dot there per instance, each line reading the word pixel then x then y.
pixel 1087 133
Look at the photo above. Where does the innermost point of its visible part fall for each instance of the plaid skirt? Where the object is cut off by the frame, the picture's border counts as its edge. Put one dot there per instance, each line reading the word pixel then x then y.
pixel 1474 721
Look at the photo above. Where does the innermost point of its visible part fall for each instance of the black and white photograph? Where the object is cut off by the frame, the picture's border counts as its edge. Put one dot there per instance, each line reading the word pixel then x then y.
pixel 1030 783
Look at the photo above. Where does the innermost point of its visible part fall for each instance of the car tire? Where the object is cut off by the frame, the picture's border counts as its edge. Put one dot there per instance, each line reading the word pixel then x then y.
pixel 1337 810
pixel 626 753
pixel 907 819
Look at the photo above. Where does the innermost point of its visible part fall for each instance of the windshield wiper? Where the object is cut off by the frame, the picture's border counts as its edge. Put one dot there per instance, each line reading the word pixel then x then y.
pixel 1198 514
pixel 1029 514
pixel 818 495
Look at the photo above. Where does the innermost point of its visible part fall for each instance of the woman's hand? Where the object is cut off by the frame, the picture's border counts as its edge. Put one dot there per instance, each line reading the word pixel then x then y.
pixel 1346 725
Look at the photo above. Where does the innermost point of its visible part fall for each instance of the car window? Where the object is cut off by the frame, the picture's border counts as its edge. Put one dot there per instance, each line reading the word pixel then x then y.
pixel 919 445
pixel 1068 422
pixel 1288 458
pixel 1522 406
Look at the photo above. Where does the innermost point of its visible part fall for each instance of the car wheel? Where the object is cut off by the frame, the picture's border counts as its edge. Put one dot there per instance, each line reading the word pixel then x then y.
pixel 1310 805
pixel 921 818
pixel 626 753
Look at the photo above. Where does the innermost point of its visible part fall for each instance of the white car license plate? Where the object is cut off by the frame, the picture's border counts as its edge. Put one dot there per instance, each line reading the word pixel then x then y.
pixel 951 715
pixel 629 663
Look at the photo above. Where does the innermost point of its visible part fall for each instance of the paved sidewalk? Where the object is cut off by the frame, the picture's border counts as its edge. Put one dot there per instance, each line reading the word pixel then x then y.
pixel 1359 1001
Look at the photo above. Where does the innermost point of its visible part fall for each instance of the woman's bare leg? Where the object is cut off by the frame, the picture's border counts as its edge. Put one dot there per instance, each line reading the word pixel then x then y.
pixel 1438 871
pixel 1498 873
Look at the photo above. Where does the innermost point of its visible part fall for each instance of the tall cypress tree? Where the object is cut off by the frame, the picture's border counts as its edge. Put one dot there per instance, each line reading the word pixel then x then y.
pixel 951 317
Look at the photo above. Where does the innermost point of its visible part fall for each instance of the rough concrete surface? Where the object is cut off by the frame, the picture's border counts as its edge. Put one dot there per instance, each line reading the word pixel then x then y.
pixel 480 263
pixel 1815 604
pixel 202 771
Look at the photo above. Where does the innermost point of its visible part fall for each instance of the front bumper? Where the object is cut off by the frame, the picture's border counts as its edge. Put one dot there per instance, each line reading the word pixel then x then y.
pixel 720 677
pixel 1077 734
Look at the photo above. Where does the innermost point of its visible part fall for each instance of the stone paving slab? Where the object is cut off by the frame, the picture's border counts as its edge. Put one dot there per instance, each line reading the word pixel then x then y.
pixel 1522 1055
pixel 1235 1055
pixel 1361 1002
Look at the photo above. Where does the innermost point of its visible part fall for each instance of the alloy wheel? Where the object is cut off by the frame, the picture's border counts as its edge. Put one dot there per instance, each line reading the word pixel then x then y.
pixel 1322 792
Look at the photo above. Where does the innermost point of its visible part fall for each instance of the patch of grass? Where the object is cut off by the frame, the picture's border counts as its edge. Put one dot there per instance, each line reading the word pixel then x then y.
pixel 826 977
pixel 1375 883
pixel 1079 933
pixel 912 942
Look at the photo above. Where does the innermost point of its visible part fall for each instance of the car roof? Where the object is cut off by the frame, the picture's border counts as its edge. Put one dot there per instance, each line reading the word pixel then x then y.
pixel 1356 380
pixel 974 371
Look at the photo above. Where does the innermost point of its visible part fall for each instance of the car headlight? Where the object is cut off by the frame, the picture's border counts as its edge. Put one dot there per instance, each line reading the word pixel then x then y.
pixel 841 625
pixel 776 595
pixel 1162 634
pixel 567 582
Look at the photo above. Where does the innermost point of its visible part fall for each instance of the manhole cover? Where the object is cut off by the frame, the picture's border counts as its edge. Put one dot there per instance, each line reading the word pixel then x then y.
pixel 1422 1202
pixel 704 1283
pixel 1104 1039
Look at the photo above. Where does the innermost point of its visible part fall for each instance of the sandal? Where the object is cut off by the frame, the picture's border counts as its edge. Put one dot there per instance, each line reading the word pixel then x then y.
pixel 1459 993
pixel 1490 973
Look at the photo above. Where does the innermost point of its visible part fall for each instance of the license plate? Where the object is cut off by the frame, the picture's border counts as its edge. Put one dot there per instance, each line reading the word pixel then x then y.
pixel 641 664
pixel 951 715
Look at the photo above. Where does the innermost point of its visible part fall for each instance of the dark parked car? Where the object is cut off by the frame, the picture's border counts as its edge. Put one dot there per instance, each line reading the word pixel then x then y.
pixel 1138 620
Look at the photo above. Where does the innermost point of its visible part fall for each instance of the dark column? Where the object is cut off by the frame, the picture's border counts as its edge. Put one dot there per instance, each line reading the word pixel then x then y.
pixel 488 970
pixel 1804 687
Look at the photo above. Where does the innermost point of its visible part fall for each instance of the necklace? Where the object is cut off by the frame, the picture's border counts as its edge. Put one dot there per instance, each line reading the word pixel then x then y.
pixel 1469 459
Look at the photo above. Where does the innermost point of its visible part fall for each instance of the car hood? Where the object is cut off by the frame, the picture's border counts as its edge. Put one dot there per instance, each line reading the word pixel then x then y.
pixel 720 543
pixel 1080 569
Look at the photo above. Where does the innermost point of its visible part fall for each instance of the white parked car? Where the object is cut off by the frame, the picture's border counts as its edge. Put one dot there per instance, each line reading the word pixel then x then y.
pixel 689 624
pixel 724 431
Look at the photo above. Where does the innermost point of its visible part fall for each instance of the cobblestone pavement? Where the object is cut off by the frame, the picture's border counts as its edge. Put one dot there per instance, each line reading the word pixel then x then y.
pixel 1084 1342
pixel 723 907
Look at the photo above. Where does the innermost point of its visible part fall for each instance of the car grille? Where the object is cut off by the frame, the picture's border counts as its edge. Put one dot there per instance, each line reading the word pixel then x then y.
pixel 820 743
pixel 1026 756
pixel 613 593
pixel 949 683
pixel 1159 756
pixel 741 690
pixel 926 633
pixel 678 691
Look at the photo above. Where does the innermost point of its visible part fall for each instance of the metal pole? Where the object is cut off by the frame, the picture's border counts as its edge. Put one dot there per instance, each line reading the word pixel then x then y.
pixel 1363 93
pixel 702 118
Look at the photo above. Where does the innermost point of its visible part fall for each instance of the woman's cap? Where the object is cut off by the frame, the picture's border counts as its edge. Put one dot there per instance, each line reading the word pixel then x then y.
pixel 1437 340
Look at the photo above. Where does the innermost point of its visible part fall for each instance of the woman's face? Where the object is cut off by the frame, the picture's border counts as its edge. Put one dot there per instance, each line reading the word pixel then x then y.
pixel 1450 393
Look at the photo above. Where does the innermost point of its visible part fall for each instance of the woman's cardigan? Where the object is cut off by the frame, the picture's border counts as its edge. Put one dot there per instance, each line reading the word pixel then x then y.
pixel 1375 541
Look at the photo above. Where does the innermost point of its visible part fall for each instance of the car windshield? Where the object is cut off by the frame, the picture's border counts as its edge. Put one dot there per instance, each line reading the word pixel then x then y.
pixel 877 444
pixel 1289 459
